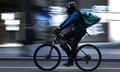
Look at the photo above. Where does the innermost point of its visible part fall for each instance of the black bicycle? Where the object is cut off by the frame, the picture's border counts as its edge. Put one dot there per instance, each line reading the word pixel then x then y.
pixel 47 56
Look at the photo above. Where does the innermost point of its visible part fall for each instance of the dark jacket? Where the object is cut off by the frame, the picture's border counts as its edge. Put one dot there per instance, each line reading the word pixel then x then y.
pixel 74 19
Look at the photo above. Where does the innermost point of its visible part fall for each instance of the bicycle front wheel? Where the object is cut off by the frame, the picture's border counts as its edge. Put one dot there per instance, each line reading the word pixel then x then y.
pixel 88 57
pixel 47 57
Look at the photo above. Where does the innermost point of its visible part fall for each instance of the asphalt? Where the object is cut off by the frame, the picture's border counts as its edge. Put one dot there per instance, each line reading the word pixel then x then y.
pixel 29 66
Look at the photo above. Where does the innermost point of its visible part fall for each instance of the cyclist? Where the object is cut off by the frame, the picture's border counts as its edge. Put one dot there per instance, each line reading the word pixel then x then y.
pixel 75 34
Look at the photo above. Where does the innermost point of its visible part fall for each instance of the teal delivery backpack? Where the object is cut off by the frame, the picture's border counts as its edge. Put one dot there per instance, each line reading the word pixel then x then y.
pixel 89 18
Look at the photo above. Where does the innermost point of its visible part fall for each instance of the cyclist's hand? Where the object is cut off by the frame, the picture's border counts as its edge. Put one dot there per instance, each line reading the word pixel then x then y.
pixel 57 30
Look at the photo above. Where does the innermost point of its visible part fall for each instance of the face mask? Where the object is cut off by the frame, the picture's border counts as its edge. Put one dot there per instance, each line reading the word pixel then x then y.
pixel 69 11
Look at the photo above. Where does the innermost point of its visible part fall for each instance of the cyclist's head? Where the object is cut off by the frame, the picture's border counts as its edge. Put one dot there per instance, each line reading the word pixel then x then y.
pixel 71 7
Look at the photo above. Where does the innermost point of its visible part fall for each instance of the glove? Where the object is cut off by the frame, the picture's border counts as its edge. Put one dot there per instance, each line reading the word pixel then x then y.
pixel 57 31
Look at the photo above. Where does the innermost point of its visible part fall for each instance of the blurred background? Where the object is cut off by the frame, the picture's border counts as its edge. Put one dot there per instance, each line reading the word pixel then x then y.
pixel 24 24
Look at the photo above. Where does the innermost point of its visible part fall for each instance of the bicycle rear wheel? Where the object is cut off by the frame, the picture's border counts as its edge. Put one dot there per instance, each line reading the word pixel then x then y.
pixel 88 57
pixel 47 57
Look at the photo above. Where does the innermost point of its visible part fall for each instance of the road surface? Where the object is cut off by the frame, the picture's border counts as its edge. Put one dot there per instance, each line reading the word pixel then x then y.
pixel 28 66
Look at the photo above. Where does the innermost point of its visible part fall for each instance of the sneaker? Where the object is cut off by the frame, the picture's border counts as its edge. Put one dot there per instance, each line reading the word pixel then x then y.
pixel 68 64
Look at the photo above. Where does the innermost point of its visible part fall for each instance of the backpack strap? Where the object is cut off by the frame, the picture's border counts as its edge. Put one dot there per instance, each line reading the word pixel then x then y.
pixel 81 18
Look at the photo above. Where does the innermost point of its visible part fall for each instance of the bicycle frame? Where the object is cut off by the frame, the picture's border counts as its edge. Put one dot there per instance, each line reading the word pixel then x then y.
pixel 85 59
pixel 58 39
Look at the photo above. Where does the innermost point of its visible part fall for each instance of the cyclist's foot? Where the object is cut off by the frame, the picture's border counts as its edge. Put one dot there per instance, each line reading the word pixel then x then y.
pixel 68 64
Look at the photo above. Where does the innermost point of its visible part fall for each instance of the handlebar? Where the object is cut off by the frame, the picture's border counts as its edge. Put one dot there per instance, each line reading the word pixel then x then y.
pixel 58 35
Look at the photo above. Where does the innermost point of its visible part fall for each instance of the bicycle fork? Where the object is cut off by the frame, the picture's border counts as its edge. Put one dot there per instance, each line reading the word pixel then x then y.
pixel 50 52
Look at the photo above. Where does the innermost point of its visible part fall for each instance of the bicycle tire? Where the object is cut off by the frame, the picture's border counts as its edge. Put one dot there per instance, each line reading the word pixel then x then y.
pixel 37 63
pixel 87 68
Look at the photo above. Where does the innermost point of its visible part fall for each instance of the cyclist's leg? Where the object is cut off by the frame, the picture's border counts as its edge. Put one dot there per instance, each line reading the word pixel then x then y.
pixel 66 49
pixel 76 39
pixel 68 36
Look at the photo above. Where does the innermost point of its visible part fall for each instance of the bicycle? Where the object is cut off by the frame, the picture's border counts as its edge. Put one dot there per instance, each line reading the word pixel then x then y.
pixel 47 56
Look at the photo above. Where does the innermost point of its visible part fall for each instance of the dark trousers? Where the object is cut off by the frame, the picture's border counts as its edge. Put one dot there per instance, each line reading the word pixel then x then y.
pixel 74 38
